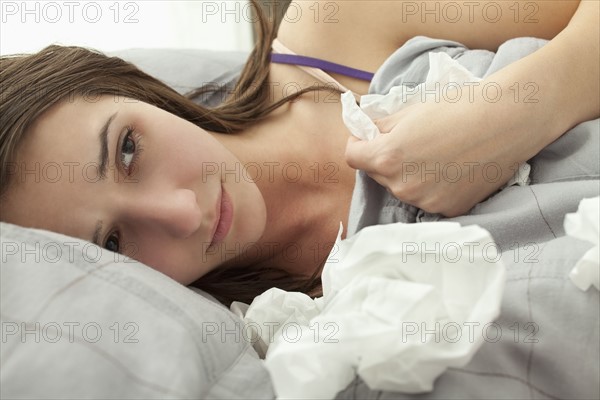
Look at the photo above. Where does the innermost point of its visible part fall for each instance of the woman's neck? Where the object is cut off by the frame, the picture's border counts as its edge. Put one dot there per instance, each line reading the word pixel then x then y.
pixel 296 158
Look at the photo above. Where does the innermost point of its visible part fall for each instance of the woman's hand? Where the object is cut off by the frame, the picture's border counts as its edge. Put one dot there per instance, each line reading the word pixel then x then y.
pixel 441 157
pixel 446 157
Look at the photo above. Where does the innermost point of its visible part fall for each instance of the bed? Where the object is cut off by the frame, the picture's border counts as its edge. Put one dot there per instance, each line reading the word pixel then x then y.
pixel 79 322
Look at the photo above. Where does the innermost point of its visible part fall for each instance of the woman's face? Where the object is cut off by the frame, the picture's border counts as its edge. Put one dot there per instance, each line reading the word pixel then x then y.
pixel 134 178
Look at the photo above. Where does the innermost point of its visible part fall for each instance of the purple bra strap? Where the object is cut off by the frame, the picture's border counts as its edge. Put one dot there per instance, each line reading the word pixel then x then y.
pixel 295 59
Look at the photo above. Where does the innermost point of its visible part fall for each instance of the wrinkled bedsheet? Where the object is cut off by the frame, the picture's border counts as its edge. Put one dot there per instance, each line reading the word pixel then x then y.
pixel 546 342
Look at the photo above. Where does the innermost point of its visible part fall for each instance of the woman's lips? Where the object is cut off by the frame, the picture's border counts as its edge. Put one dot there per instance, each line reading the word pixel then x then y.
pixel 224 218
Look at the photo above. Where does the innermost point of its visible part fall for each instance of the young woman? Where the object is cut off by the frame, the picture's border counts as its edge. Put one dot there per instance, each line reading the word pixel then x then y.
pixel 150 174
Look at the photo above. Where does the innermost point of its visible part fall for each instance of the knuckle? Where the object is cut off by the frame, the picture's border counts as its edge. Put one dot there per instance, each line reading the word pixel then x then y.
pixel 434 203
pixel 382 125
pixel 350 155
pixel 443 203
pixel 398 192
pixel 407 192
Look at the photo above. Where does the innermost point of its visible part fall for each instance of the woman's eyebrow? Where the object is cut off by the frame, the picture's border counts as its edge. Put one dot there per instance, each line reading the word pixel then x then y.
pixel 103 136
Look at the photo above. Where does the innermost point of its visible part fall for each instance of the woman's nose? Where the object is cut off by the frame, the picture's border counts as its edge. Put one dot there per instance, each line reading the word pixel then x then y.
pixel 176 212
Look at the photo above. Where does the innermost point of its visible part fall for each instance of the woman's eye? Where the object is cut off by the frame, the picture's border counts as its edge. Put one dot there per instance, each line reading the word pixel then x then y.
pixel 112 243
pixel 127 150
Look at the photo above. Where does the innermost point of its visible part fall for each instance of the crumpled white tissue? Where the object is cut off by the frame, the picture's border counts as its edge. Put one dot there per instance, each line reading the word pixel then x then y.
pixel 445 74
pixel 401 303
pixel 584 225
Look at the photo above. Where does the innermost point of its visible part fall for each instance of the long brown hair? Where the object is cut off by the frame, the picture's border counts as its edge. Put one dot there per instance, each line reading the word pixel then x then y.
pixel 31 84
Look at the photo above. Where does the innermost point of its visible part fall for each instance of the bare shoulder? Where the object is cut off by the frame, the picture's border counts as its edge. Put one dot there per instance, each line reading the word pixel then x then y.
pixel 347 32
pixel 364 33
pixel 346 29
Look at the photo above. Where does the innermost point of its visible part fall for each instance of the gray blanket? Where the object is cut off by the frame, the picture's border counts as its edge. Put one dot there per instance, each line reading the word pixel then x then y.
pixel 546 342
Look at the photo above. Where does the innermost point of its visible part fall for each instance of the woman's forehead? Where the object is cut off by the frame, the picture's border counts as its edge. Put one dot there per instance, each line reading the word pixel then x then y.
pixel 57 165
pixel 62 134
pixel 50 194
pixel 77 109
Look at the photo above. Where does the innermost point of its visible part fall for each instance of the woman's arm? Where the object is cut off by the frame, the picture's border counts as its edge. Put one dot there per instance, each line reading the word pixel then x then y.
pixel 362 34
pixel 483 24
pixel 476 132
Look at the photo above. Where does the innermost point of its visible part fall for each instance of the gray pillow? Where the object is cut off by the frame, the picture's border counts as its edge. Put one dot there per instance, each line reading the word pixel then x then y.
pixel 79 321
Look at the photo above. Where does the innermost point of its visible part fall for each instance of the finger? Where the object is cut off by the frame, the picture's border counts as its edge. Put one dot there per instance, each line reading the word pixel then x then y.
pixel 389 122
pixel 360 153
pixel 383 125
